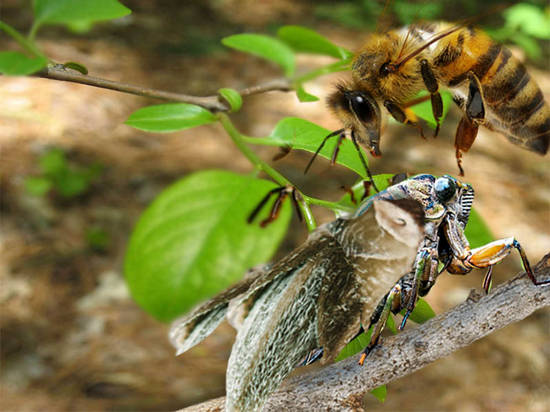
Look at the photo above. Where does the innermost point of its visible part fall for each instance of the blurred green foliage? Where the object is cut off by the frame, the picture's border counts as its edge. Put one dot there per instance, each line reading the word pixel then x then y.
pixel 61 177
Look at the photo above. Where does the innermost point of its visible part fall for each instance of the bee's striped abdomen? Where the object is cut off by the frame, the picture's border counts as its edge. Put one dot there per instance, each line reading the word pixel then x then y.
pixel 514 103
pixel 517 104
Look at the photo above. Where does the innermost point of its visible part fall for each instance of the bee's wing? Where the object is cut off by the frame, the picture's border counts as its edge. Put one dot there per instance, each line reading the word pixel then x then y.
pixel 381 246
pixel 192 328
pixel 300 310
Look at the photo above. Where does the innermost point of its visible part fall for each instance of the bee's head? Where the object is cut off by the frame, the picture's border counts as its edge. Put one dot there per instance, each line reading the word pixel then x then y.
pixel 371 61
pixel 359 113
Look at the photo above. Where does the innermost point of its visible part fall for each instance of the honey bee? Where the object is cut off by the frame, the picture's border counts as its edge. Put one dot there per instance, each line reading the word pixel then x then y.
pixel 490 85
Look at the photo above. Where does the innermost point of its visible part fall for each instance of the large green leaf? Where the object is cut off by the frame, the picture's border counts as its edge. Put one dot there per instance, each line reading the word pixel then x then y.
pixel 17 64
pixel 77 11
pixel 169 117
pixel 193 241
pixel 306 40
pixel 263 46
pixel 301 134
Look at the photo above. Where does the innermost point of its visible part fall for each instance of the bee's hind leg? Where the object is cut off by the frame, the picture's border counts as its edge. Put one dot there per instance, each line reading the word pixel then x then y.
pixel 474 115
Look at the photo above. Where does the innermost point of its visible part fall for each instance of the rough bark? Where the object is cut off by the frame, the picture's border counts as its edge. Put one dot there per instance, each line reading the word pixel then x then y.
pixel 341 386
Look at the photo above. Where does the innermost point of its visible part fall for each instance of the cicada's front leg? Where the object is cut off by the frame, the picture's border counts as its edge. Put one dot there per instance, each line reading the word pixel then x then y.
pixel 466 259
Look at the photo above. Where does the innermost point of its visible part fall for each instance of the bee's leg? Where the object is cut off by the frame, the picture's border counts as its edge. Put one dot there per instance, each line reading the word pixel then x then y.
pixel 340 133
pixel 401 115
pixel 432 86
pixel 474 109
pixel 391 301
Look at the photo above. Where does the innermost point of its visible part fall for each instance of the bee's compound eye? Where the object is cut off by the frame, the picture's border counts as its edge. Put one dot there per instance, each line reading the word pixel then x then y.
pixel 445 189
pixel 361 107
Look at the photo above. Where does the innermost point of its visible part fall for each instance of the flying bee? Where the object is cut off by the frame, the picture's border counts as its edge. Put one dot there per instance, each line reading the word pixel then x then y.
pixel 490 85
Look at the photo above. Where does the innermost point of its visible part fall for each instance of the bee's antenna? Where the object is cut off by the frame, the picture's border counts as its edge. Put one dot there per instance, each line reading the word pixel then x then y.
pixel 335 133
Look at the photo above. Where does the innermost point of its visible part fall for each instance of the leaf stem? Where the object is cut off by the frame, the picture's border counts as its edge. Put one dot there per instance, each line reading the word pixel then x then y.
pixel 26 44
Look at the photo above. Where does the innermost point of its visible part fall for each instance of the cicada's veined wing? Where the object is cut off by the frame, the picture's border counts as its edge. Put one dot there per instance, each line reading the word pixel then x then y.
pixel 194 327
pixel 321 299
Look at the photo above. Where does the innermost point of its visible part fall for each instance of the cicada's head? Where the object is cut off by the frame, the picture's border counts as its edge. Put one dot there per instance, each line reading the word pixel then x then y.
pixel 455 196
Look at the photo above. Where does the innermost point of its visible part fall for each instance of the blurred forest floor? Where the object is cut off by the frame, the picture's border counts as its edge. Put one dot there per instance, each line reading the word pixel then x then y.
pixel 73 339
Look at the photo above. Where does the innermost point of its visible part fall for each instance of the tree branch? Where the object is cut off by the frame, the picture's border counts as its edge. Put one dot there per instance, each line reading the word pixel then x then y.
pixel 341 386
pixel 213 103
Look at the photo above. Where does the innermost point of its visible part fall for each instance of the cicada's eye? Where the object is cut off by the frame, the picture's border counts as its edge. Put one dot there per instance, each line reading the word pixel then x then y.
pixel 445 189
pixel 362 107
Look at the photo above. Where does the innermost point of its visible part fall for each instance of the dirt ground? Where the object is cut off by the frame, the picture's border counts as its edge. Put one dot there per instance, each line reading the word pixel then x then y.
pixel 73 339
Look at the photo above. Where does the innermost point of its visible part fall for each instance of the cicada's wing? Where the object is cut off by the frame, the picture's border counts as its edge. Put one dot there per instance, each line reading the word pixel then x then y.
pixel 280 328
pixel 194 327
pixel 381 246
pixel 307 307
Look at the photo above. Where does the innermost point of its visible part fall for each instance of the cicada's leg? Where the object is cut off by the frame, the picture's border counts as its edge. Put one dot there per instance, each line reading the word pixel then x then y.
pixel 380 321
pixel 430 82
pixel 425 274
pixel 492 253
pixel 281 194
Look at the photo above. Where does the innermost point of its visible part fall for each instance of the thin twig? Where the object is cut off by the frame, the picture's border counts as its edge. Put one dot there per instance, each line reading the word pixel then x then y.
pixel 213 103
pixel 342 386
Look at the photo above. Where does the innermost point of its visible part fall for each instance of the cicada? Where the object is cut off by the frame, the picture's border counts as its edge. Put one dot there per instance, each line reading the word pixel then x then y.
pixel 347 276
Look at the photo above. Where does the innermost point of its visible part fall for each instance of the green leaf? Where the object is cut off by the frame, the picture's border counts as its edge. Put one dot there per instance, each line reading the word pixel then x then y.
pixel 304 135
pixel 380 393
pixel 424 109
pixel 77 11
pixel 422 312
pixel 169 117
pixel 530 19
pixel 305 40
pixel 37 186
pixel 17 64
pixel 355 346
pixel 53 162
pixel 193 241
pixel 477 232
pixel 71 183
pixel 265 47
pixel 76 66
pixel 304 96
pixel 390 325
pixel 232 97
pixel 529 45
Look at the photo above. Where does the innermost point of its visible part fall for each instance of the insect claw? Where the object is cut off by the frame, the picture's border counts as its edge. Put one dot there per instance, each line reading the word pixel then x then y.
pixel 362 358
pixel 262 203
